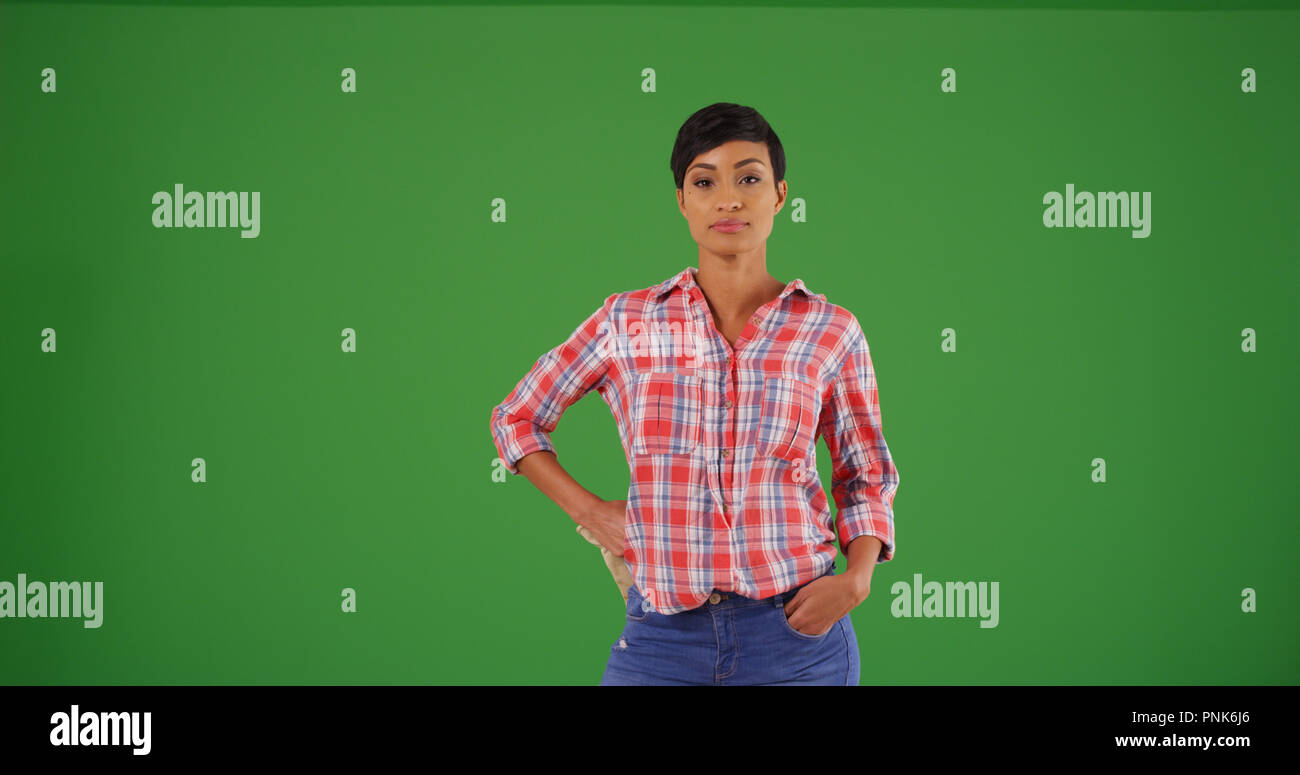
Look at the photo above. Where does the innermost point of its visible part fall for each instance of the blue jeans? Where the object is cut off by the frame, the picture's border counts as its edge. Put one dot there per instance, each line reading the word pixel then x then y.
pixel 736 641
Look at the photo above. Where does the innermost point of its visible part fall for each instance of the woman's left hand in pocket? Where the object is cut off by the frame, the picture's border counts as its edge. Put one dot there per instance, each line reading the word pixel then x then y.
pixel 822 602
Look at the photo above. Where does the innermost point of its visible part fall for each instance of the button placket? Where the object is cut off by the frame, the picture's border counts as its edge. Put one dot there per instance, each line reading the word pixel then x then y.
pixel 693 303
pixel 729 428
pixel 720 472
pixel 699 307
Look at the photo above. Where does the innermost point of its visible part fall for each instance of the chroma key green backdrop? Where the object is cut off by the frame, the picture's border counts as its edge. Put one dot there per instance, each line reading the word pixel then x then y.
pixel 1010 356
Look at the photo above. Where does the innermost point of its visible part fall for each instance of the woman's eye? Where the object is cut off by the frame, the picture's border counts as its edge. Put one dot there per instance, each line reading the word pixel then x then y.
pixel 747 177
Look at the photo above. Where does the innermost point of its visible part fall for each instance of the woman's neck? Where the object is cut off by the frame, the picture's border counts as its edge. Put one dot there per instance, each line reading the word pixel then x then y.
pixel 735 289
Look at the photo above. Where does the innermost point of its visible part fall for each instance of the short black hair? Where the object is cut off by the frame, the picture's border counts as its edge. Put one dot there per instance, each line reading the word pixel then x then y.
pixel 719 123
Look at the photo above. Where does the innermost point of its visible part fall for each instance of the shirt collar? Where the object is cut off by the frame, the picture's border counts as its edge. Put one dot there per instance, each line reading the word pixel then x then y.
pixel 685 280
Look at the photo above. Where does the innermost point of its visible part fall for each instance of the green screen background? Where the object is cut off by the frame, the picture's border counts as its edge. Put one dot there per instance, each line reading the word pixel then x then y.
pixel 373 470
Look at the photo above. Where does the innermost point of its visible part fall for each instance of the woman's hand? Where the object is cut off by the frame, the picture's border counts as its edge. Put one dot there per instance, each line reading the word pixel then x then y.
pixel 616 564
pixel 605 521
pixel 820 603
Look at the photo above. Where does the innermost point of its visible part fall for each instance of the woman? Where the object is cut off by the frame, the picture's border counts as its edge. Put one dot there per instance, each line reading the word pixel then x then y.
pixel 721 378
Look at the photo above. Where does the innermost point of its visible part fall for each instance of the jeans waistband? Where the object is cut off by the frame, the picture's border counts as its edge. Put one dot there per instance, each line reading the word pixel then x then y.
pixel 734 600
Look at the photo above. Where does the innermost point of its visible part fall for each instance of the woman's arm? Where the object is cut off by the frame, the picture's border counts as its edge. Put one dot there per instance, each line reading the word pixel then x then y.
pixel 523 422
pixel 522 426
pixel 862 555
pixel 864 477
pixel 545 472
pixel 603 519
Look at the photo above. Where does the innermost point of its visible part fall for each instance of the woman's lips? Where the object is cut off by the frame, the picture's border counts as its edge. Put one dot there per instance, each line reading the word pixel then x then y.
pixel 729 227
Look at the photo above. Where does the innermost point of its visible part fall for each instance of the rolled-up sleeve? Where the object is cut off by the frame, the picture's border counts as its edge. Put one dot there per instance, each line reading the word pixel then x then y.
pixel 864 478
pixel 522 423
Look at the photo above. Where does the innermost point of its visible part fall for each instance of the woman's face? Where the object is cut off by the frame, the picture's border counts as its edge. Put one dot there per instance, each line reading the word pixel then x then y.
pixel 731 182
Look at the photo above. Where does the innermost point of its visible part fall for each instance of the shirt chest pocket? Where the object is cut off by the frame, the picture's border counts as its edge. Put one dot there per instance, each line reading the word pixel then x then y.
pixel 788 423
pixel 667 412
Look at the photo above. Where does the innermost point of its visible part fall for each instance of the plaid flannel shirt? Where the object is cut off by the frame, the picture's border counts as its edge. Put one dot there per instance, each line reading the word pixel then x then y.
pixel 720 440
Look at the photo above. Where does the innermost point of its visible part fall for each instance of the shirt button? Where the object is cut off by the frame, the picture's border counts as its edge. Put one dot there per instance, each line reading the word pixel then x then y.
pixel 724 507
pixel 727 404
pixel 726 453
pixel 715 598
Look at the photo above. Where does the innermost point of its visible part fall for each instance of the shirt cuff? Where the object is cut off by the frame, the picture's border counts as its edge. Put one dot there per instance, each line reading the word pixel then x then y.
pixel 867 519
pixel 526 444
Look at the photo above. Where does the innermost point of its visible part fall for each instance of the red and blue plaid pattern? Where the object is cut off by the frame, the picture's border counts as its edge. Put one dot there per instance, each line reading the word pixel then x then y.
pixel 721 439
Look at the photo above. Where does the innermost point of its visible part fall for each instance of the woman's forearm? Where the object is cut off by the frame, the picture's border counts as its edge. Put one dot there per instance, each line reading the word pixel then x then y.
pixel 862 555
pixel 545 472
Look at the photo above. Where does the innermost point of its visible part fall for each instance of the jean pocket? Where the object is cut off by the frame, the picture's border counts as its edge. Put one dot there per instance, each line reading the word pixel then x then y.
pixel 785 621
pixel 788 422
pixel 636 608
pixel 666 413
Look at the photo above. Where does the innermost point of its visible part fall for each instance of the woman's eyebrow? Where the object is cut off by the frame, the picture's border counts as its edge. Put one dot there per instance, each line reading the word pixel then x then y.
pixel 739 164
